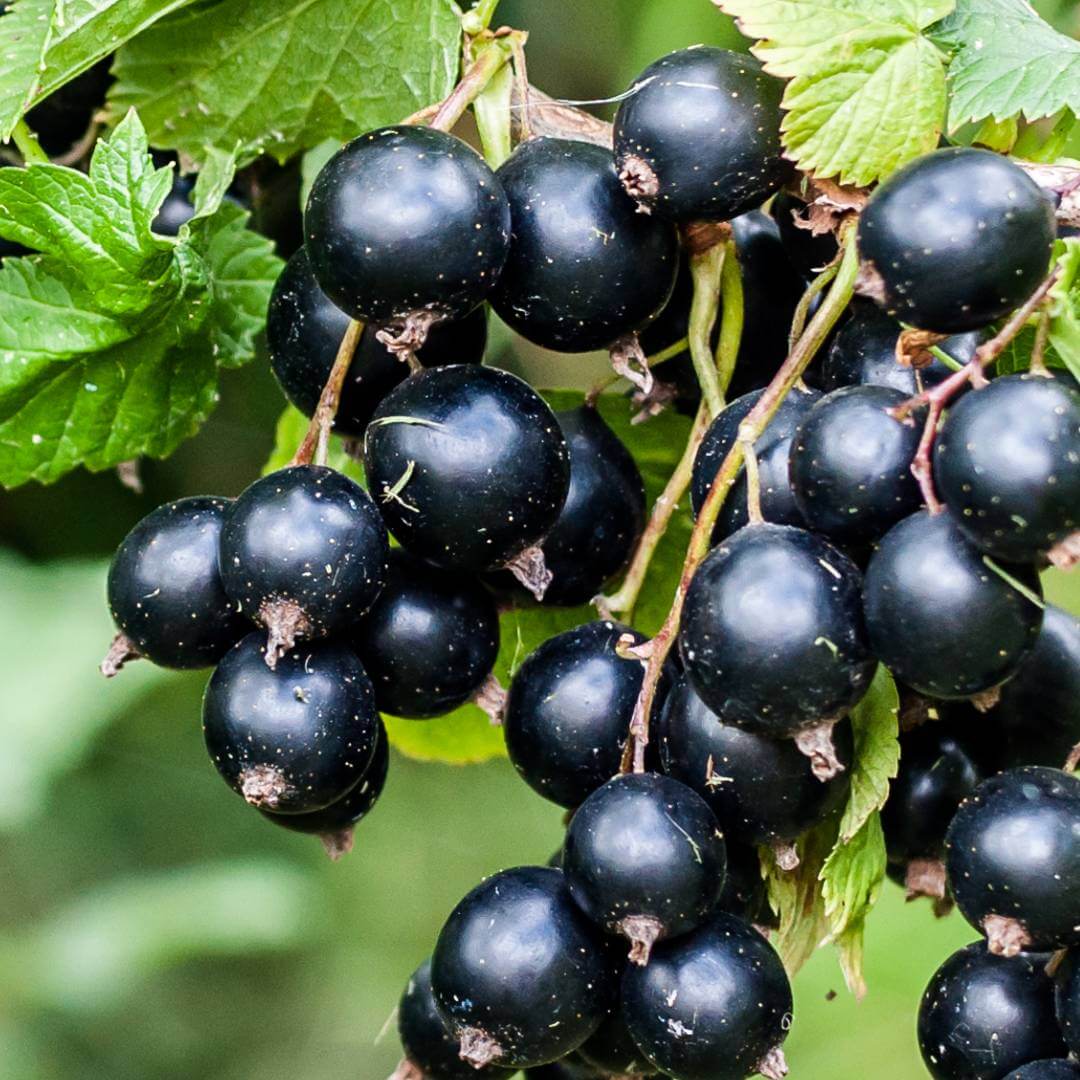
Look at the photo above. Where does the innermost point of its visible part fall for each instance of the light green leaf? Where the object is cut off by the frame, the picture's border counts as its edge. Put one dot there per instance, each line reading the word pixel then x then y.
pixel 1064 309
pixel 312 163
pixel 867 87
pixel 1007 62
pixel 877 752
pixel 277 76
pixel 215 176
pixel 48 42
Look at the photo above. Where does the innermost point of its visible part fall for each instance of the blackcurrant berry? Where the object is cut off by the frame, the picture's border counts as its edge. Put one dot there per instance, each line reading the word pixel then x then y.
pixel 984 1015
pixel 850 464
pixel 958 239
pixel 571 1067
pixel 644 857
pixel 603 515
pixel 744 893
pixel 1007 464
pixel 569 710
pixel 939 617
pixel 303 553
pixel 406 221
pixel 165 592
pixel 430 639
pixel 431 1049
pixel 772 636
pixel 716 1003
pixel 772 450
pixel 808 252
pixel 304 330
pixel 295 738
pixel 469 466
pixel 1067 999
pixel 1013 859
pixel 762 790
pixel 519 972
pixel 863 353
pixel 938 770
pixel 334 824
pixel 1047 1069
pixel 1036 720
pixel 698 135
pixel 584 267
pixel 611 1050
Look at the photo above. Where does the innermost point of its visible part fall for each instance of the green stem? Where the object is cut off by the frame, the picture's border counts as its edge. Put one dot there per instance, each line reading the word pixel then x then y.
pixel 706 269
pixel 731 323
pixel 945 358
pixel 802 311
pixel 478 18
pixel 28 145
pixel 489 59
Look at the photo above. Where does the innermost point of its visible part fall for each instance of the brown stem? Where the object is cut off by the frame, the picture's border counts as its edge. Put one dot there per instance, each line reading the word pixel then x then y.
pixel 558 121
pixel 521 82
pixel 489 59
pixel 121 651
pixel 753 480
pixel 922 467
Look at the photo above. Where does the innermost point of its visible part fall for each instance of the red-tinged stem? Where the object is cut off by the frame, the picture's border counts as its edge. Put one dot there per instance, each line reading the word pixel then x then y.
pixel 489 59
pixel 700 539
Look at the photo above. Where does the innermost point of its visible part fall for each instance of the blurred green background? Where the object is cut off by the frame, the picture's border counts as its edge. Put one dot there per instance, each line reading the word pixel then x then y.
pixel 154 928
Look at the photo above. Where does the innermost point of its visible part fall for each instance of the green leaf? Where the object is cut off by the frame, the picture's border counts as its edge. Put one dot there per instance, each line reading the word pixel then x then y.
pixel 312 163
pixel 867 87
pixel 1007 62
pixel 48 42
pixel 277 76
pixel 877 752
pixel 1064 309
pixel 111 337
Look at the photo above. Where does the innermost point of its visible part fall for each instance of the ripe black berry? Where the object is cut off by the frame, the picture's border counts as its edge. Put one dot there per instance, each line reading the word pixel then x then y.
pixel 762 790
pixel 569 709
pixel 304 329
pixel 584 267
pixel 303 553
pixel 808 252
pixel 519 972
pixel 644 857
pixel 850 464
pixel 294 738
pixel 1013 859
pixel 772 450
pixel 939 617
pixel 938 770
pixel 958 238
pixel 772 635
pixel 714 1003
pixel 468 464
pixel 984 1015
pixel 165 593
pixel 334 824
pixel 1047 1069
pixel 744 893
pixel 603 515
pixel 430 1047
pixel 429 641
pixel 611 1050
pixel 863 353
pixel 1067 999
pixel 699 135
pixel 571 1067
pixel 1007 464
pixel 406 221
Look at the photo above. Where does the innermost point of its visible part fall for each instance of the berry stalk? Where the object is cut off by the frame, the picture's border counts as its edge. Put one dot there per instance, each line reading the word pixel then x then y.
pixel 706 270
pixel 28 145
pixel 734 316
pixel 700 539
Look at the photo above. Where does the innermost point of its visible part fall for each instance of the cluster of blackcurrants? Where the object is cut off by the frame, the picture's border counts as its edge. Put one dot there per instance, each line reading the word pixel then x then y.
pixel 823 565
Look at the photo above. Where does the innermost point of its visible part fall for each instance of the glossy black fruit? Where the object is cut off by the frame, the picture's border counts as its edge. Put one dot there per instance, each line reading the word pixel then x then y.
pixel 611 1050
pixel 1036 720
pixel 644 857
pixel 1067 999
pixel 850 464
pixel 165 593
pixel 744 893
pixel 334 824
pixel 1047 1069
pixel 295 738
pixel 772 635
pixel 773 450
pixel 468 464
pixel 939 617
pixel 406 220
pixel 1007 464
pixel 863 353
pixel 585 267
pixel 571 1067
pixel 699 137
pixel 304 329
pixel 809 253
pixel 762 790
pixel 1013 859
pixel 519 972
pixel 983 1015
pixel 958 238
pixel 569 710
pixel 603 515
pixel 303 553
pixel 430 1047
pixel 714 1004
pixel 429 641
